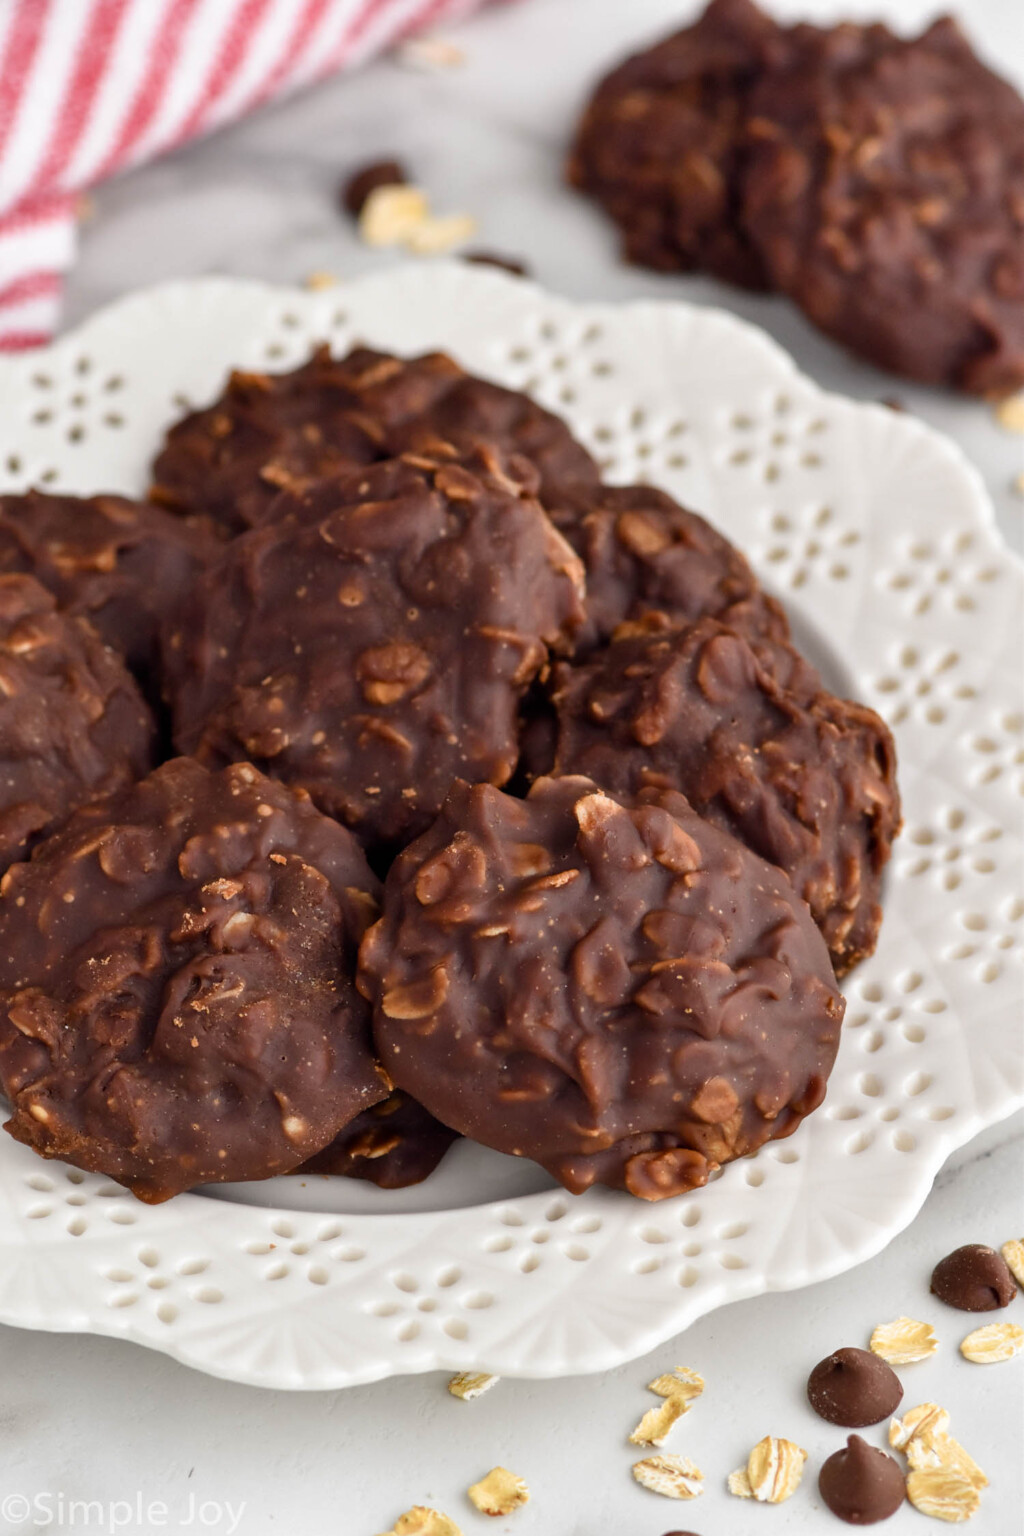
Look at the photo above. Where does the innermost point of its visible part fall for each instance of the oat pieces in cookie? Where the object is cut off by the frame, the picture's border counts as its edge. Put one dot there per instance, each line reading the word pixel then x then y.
pixel 393 1144
pixel 644 553
pixel 73 724
pixel 121 564
pixel 270 432
pixel 177 1003
pixel 628 996
pixel 374 644
pixel 805 779
pixel 884 191
pixel 662 141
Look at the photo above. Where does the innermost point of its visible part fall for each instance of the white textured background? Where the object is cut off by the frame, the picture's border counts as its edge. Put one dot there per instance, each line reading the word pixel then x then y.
pixel 94 1420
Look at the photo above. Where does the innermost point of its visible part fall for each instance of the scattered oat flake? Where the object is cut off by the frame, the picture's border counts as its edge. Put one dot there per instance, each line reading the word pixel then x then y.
pixel 923 1438
pixel 656 1423
pixel 943 1493
pixel 679 1382
pixel 921 1423
pixel 421 1521
pixel 1013 1252
pixel 317 280
pixel 994 1342
pixel 739 1484
pixel 927 1452
pixel 675 1477
pixel 679 1388
pixel 499 1493
pixel 391 214
pixel 433 237
pixel 469 1384
pixel 904 1341
pixel 429 54
pixel 774 1469
pixel 1018 486
pixel 1010 413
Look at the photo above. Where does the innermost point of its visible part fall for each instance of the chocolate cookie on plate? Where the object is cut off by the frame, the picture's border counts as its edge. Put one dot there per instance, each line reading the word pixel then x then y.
pixel 270 432
pixel 374 643
pixel 73 724
pixel 121 564
pixel 393 1145
pixel 177 1004
pixel 643 552
pixel 805 779
pixel 628 996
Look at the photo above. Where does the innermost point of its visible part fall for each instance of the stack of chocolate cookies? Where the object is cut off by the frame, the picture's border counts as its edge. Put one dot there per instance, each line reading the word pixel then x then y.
pixel 387 778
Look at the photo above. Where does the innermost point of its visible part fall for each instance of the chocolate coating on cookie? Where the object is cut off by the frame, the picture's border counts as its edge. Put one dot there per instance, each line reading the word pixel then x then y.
pixel 394 1144
pixel 374 644
pixel 643 553
pixel 807 780
pixel 628 996
pixel 73 724
pixel 974 1279
pixel 176 983
pixel 475 411
pixel 861 1484
pixel 854 1388
pixel 121 564
pixel 885 194
pixel 271 432
pixel 662 140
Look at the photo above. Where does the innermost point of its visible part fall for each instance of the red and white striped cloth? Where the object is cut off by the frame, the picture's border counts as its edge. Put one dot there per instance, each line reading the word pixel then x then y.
pixel 89 87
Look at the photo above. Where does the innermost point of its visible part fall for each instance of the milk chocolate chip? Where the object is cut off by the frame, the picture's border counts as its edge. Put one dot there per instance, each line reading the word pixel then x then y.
pixel 852 1387
pixel 860 1484
pixel 974 1279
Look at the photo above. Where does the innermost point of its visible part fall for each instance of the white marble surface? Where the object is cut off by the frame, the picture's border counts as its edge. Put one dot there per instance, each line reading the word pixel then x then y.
pixel 87 1419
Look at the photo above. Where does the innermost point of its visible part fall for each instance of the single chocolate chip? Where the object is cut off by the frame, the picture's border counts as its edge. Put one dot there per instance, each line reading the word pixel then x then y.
pixel 504 263
pixel 861 1484
pixel 382 173
pixel 852 1387
pixel 974 1279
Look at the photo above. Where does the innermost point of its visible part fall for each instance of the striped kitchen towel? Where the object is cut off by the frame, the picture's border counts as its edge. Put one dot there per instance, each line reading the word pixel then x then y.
pixel 89 87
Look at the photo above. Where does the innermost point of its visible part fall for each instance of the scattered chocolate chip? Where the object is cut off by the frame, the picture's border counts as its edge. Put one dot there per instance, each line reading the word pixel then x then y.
pixel 895 404
pixel 861 1484
pixel 852 1387
pixel 974 1279
pixel 492 259
pixel 382 173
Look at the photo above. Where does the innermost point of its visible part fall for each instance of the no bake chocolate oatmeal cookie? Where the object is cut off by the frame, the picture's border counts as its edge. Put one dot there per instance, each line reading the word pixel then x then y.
pixel 374 644
pixel 73 724
pixel 626 995
pixel 176 971
pixel 876 180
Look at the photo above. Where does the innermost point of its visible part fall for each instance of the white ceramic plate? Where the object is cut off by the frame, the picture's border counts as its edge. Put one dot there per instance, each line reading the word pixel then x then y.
pixel 878 535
